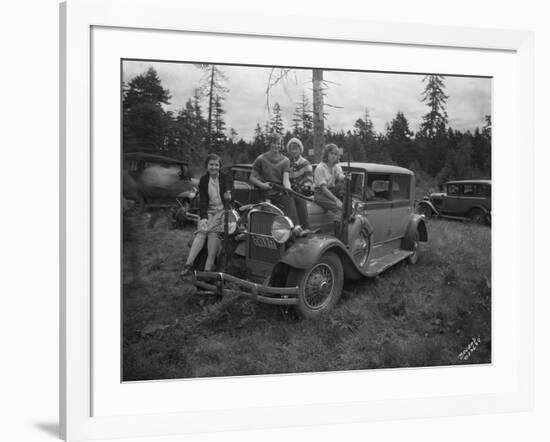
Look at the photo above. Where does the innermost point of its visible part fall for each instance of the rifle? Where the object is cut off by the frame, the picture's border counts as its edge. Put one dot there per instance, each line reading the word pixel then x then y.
pixel 292 192
pixel 343 232
pixel 226 232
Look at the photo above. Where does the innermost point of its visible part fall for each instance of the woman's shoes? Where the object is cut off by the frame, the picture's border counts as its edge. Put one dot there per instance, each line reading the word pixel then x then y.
pixel 187 269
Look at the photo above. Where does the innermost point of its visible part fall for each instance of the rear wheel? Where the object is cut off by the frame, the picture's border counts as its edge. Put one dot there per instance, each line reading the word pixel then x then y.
pixel 320 286
pixel 477 216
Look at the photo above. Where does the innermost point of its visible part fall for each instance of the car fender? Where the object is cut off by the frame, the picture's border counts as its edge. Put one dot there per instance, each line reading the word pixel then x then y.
pixel 485 211
pixel 187 194
pixel 430 205
pixel 305 252
pixel 416 223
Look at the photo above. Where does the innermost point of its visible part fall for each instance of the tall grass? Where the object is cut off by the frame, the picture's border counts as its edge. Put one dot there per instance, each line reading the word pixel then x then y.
pixel 409 316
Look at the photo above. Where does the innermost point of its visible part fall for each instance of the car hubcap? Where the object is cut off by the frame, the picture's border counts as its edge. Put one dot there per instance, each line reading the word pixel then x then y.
pixel 319 286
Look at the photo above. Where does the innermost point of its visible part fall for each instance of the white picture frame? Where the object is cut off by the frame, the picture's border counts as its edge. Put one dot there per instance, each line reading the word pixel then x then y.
pixel 78 371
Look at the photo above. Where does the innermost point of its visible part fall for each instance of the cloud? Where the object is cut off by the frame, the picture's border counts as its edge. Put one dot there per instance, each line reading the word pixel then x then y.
pixel 383 94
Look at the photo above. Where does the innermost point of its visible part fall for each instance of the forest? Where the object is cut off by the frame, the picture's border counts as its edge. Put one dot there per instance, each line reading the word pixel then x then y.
pixel 436 153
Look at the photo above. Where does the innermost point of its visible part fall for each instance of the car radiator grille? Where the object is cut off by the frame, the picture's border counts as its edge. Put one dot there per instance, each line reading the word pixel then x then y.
pixel 262 248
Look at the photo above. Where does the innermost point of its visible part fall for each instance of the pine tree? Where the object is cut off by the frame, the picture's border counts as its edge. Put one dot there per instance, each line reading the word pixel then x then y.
pixel 218 131
pixel 399 140
pixel 145 123
pixel 435 121
pixel 276 123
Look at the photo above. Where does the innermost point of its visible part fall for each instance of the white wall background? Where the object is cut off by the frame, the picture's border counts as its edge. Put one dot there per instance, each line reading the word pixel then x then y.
pixel 29 219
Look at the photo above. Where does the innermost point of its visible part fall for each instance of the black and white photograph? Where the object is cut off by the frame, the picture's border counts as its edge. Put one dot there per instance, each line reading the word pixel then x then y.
pixel 286 220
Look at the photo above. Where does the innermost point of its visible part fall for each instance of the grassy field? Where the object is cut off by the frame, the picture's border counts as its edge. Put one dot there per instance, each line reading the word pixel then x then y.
pixel 437 312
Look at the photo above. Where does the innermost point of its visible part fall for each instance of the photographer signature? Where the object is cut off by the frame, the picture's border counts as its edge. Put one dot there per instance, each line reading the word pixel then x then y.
pixel 467 352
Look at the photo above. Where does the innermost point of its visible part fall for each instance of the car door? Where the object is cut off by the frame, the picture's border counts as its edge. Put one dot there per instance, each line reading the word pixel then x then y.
pixel 379 205
pixel 451 201
pixel 401 204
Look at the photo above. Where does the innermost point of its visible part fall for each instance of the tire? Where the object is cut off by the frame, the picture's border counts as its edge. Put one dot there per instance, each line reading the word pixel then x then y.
pixel 424 209
pixel 413 259
pixel 477 216
pixel 180 214
pixel 140 203
pixel 320 286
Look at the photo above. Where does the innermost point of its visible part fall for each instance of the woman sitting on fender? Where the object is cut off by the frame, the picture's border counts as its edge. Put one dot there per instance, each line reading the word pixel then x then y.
pixel 213 186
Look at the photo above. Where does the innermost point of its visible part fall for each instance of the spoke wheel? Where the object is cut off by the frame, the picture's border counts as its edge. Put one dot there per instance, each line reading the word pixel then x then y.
pixel 424 209
pixel 180 215
pixel 359 244
pixel 413 259
pixel 320 286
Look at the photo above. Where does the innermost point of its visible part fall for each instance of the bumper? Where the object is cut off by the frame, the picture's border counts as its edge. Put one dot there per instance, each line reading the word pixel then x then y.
pixel 223 284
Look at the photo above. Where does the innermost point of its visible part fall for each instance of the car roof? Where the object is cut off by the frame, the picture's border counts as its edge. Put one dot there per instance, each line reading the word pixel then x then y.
pixel 377 168
pixel 469 182
pixel 147 156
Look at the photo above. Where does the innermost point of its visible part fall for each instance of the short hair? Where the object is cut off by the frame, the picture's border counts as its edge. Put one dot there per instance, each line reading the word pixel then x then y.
pixel 212 157
pixel 330 147
pixel 274 138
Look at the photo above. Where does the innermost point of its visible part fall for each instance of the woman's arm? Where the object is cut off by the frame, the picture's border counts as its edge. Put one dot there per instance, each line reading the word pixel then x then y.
pixel 286 180
pixel 330 195
pixel 255 179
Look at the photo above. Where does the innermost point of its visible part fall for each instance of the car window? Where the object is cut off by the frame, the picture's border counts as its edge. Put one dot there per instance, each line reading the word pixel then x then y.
pixel 482 190
pixel 468 190
pixel 453 189
pixel 241 175
pixel 401 187
pixel 378 185
pixel 357 180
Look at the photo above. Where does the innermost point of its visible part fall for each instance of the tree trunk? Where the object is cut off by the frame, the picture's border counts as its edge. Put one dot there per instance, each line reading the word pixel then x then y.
pixel 318 117
pixel 209 134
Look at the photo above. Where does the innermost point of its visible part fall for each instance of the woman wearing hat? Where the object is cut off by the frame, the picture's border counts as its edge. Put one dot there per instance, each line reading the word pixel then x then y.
pixel 301 176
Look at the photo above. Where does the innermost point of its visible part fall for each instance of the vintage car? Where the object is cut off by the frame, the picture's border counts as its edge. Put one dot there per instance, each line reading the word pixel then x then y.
pixel 154 181
pixel 379 230
pixel 469 199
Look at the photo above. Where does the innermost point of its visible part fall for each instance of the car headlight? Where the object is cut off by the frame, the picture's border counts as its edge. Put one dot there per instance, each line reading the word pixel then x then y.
pixel 281 228
pixel 232 221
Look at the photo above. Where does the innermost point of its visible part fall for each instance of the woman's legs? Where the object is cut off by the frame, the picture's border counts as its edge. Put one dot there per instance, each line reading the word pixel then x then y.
pixel 196 247
pixel 214 247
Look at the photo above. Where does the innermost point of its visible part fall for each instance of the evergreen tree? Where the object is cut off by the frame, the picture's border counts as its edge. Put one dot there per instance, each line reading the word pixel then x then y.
pixel 435 121
pixel 218 131
pixel 276 123
pixel 145 123
pixel 399 140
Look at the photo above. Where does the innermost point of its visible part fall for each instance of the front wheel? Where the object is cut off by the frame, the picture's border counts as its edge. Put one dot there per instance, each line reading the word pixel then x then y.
pixel 425 210
pixel 413 259
pixel 181 213
pixel 320 286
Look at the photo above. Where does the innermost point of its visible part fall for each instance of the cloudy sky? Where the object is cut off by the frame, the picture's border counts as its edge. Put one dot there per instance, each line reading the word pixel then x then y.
pixel 384 94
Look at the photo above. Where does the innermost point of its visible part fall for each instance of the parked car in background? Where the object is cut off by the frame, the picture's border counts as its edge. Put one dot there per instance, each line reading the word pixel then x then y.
pixel 307 272
pixel 465 199
pixel 155 181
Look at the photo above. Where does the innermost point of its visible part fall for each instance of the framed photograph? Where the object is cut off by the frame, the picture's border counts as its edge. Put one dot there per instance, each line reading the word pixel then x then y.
pixel 285 221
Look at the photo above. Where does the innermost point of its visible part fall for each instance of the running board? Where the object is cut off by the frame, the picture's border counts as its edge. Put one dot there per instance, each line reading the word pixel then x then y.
pixel 377 266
